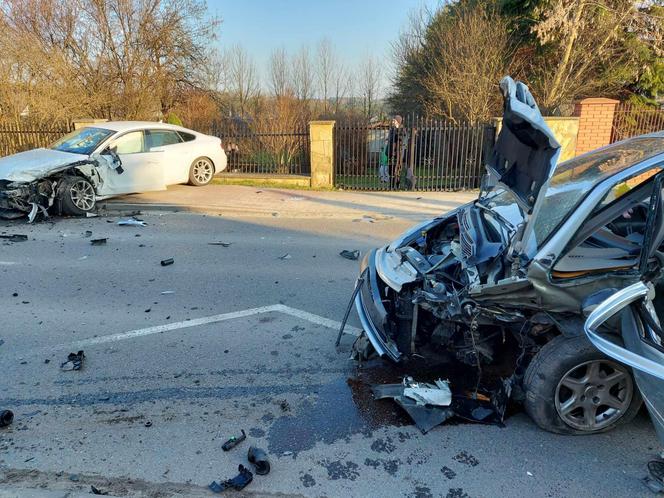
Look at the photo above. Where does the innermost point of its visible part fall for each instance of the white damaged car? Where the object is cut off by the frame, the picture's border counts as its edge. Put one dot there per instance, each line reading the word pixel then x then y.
pixel 99 162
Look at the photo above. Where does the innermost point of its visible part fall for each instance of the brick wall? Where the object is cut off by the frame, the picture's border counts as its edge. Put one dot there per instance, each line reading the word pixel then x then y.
pixel 595 123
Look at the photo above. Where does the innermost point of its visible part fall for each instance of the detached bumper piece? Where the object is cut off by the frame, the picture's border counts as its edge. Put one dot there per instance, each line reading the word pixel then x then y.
pixel 238 483
pixel 429 405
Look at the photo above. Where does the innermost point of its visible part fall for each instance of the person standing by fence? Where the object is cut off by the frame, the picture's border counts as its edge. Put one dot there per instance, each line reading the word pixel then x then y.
pixel 396 148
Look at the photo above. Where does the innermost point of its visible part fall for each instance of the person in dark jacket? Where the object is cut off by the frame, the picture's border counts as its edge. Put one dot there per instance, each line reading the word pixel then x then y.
pixel 396 147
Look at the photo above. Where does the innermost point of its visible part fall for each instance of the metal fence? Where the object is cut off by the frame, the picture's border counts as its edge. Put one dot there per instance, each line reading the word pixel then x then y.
pixel 18 137
pixel 441 155
pixel 629 121
pixel 273 153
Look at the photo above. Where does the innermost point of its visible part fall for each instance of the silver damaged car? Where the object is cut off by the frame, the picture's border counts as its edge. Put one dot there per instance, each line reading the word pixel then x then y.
pixel 509 278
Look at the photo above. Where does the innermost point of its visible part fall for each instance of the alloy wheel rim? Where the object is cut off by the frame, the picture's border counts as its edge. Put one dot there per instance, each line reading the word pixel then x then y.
pixel 202 171
pixel 594 395
pixel 82 195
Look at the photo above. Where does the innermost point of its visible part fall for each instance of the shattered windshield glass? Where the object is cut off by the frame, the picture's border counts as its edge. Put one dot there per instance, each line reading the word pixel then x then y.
pixel 83 141
pixel 503 202
pixel 573 179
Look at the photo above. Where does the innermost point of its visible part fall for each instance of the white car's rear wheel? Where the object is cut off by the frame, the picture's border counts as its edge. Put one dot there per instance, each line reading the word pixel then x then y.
pixel 201 172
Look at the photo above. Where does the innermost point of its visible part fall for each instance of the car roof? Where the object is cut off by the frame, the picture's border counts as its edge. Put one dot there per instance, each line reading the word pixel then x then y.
pixel 133 125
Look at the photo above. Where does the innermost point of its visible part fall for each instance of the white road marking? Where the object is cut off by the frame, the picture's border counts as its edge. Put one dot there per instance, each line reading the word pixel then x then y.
pixel 158 329
pixel 310 317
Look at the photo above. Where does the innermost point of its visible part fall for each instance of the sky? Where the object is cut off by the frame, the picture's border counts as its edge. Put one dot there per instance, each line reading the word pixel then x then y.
pixel 356 28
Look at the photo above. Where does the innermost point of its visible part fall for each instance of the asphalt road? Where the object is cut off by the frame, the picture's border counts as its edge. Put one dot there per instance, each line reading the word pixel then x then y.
pixel 181 357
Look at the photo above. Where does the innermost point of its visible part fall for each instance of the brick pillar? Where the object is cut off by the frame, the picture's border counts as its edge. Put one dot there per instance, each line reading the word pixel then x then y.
pixel 595 123
pixel 322 153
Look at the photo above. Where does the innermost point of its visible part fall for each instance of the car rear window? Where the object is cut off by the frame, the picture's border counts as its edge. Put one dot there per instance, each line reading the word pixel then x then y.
pixel 186 137
pixel 160 138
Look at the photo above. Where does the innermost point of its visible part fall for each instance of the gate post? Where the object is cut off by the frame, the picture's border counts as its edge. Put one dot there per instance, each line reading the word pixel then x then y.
pixel 321 134
pixel 595 123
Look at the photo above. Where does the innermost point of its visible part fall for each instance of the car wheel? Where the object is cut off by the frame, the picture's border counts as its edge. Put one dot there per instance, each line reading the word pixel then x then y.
pixel 77 196
pixel 201 172
pixel 572 388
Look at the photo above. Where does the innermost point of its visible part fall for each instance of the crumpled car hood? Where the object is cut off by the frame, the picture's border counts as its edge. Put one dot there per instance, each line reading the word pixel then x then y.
pixel 35 164
pixel 526 151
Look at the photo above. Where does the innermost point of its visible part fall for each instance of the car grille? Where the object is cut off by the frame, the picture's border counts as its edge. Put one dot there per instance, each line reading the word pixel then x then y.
pixel 467 245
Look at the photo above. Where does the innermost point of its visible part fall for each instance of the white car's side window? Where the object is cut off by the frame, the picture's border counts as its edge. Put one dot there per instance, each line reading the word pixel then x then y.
pixel 130 143
pixel 161 138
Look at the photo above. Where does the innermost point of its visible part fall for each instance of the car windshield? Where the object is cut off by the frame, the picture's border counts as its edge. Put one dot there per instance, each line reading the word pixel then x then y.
pixel 573 179
pixel 83 141
pixel 504 204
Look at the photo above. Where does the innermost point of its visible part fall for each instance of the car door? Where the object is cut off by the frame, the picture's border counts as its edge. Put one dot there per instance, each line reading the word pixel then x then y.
pixel 176 154
pixel 643 341
pixel 641 306
pixel 142 170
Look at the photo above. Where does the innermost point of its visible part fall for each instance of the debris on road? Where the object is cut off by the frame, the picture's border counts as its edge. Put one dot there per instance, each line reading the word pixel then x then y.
pixel 134 222
pixel 429 405
pixel 352 255
pixel 6 418
pixel 258 458
pixel 148 424
pixel 74 361
pixel 222 244
pixel 283 404
pixel 238 483
pixel 234 441
pixel 98 242
pixel 655 481
pixel 167 262
pixel 436 395
pixel 167 292
pixel 425 416
pixel 96 491
pixel 15 237
pixel 91 215
pixel 285 256
pixel 88 233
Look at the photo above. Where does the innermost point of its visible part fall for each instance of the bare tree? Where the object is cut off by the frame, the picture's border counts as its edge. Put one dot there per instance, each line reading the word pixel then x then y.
pixel 279 73
pixel 473 50
pixel 326 67
pixel 302 75
pixel 110 58
pixel 243 78
pixel 369 83
pixel 342 86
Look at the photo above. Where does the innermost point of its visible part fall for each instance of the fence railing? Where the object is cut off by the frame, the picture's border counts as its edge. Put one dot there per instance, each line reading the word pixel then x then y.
pixel 19 137
pixel 278 153
pixel 435 156
pixel 629 121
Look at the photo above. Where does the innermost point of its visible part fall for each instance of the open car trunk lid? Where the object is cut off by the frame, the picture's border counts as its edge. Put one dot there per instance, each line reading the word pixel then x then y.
pixel 526 151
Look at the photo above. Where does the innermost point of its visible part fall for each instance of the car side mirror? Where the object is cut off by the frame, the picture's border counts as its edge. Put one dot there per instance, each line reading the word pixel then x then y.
pixel 115 158
pixel 110 151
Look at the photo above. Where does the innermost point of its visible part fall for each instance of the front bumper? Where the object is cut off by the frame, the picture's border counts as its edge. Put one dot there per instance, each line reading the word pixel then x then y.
pixel 372 313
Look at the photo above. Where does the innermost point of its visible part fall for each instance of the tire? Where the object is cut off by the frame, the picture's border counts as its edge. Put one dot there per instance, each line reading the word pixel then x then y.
pixel 556 407
pixel 201 171
pixel 77 196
